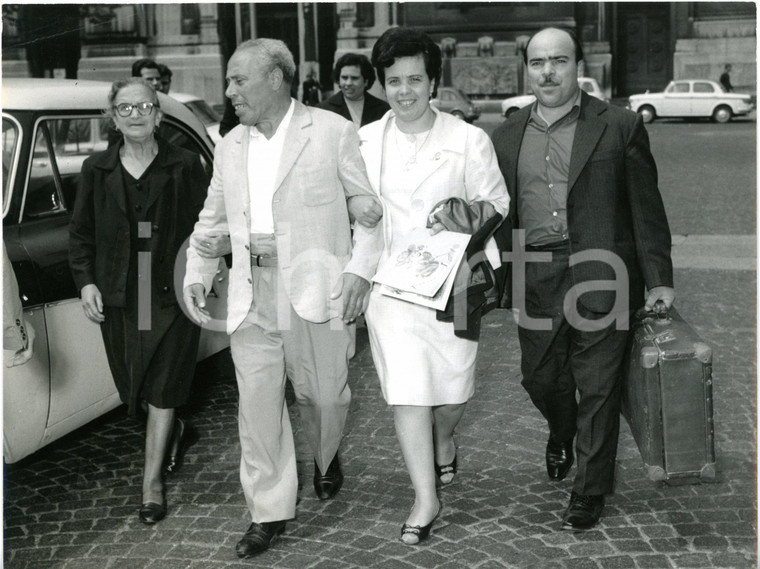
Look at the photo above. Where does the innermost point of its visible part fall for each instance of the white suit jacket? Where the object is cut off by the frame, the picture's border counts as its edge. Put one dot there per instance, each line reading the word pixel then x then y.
pixel 458 161
pixel 319 169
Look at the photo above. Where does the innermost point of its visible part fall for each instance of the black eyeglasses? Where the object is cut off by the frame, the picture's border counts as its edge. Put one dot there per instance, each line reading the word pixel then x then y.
pixel 125 109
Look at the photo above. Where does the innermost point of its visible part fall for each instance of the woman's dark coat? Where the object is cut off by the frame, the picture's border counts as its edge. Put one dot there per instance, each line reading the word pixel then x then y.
pixel 99 236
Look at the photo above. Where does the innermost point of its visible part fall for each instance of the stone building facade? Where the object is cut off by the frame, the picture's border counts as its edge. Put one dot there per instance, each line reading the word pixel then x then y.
pixel 630 47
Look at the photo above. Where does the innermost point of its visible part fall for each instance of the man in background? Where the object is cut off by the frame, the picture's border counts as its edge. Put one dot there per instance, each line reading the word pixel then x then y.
pixel 148 70
pixel 725 78
pixel 166 78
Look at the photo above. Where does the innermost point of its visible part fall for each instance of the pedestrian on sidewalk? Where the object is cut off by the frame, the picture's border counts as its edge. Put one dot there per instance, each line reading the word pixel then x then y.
pixel 311 90
pixel 582 180
pixel 281 181
pixel 426 166
pixel 725 78
pixel 141 196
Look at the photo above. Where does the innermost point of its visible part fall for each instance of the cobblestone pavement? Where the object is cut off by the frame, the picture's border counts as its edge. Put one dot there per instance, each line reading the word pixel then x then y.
pixel 74 504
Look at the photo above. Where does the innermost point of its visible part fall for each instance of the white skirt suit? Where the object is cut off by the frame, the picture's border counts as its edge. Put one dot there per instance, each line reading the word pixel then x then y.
pixel 419 360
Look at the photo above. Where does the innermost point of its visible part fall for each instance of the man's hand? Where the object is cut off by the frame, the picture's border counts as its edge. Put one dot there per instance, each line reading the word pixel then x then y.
pixel 665 293
pixel 355 293
pixel 92 303
pixel 213 246
pixel 365 210
pixel 194 296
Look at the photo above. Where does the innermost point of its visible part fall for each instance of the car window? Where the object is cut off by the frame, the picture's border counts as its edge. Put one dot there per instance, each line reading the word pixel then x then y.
pixel 180 135
pixel 203 111
pixel 10 149
pixel 463 95
pixel 703 88
pixel 679 88
pixel 61 145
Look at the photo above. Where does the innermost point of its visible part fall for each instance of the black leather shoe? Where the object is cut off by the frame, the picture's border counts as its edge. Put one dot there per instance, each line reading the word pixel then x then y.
pixel 151 513
pixel 583 512
pixel 327 485
pixel 184 435
pixel 258 538
pixel 559 459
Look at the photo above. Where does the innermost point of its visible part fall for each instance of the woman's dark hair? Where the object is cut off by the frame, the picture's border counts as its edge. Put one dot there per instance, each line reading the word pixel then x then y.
pixel 407 42
pixel 359 60
pixel 576 43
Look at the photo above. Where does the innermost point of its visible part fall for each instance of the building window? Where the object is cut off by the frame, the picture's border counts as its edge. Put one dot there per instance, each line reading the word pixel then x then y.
pixel 365 14
pixel 191 19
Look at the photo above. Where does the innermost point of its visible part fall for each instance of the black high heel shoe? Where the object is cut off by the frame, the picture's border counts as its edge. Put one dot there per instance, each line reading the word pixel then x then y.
pixel 151 512
pixel 184 435
pixel 420 532
pixel 441 471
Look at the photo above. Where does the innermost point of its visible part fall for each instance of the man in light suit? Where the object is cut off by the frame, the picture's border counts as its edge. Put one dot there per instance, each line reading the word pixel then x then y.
pixel 280 185
pixel 584 183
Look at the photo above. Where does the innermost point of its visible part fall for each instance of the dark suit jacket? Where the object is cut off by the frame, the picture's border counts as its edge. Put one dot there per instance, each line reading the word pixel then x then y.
pixel 613 200
pixel 374 108
pixel 99 233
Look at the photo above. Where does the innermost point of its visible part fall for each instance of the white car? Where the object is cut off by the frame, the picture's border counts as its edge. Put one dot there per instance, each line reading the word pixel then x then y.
pixel 691 98
pixel 201 109
pixel 50 126
pixel 512 104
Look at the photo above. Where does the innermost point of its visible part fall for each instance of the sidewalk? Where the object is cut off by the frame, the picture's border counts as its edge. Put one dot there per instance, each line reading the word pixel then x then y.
pixel 74 505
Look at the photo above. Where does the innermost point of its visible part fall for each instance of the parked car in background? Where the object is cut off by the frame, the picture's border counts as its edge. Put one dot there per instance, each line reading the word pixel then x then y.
pixel 201 109
pixel 691 98
pixel 456 102
pixel 512 104
pixel 50 126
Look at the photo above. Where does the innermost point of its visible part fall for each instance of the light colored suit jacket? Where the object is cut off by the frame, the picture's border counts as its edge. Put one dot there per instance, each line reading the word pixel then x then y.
pixel 458 161
pixel 319 169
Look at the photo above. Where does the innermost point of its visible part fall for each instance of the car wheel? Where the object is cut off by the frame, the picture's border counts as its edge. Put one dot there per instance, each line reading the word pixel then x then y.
pixel 510 111
pixel 722 114
pixel 647 113
pixel 458 114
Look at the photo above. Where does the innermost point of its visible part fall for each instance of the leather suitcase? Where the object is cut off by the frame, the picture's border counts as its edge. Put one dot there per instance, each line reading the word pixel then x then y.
pixel 667 398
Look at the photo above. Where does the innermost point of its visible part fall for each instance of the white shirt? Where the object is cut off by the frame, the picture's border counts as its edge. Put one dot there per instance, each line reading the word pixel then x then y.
pixel 263 163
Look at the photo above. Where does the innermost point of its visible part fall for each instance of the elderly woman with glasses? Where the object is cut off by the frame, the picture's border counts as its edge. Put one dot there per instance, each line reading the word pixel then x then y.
pixel 137 203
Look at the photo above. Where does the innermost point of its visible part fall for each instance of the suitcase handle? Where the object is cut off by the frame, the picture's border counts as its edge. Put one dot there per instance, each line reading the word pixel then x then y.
pixel 659 311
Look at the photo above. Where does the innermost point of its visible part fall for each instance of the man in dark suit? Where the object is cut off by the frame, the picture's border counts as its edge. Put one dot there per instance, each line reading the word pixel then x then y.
pixel 354 75
pixel 592 225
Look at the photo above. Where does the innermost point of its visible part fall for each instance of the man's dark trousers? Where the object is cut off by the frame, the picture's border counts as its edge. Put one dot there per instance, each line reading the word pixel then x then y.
pixel 557 362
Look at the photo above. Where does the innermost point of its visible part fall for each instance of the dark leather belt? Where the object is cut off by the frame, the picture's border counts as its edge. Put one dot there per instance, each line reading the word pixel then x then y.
pixel 263 260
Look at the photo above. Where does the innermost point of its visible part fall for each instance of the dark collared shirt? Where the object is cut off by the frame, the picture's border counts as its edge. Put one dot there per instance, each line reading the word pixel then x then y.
pixel 542 172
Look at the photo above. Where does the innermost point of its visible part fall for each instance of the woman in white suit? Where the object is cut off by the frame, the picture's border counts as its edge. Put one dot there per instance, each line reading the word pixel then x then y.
pixel 417 158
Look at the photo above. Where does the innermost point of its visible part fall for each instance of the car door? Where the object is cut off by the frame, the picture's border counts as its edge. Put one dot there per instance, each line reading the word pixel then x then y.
pixel 26 388
pixel 676 100
pixel 703 99
pixel 81 387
